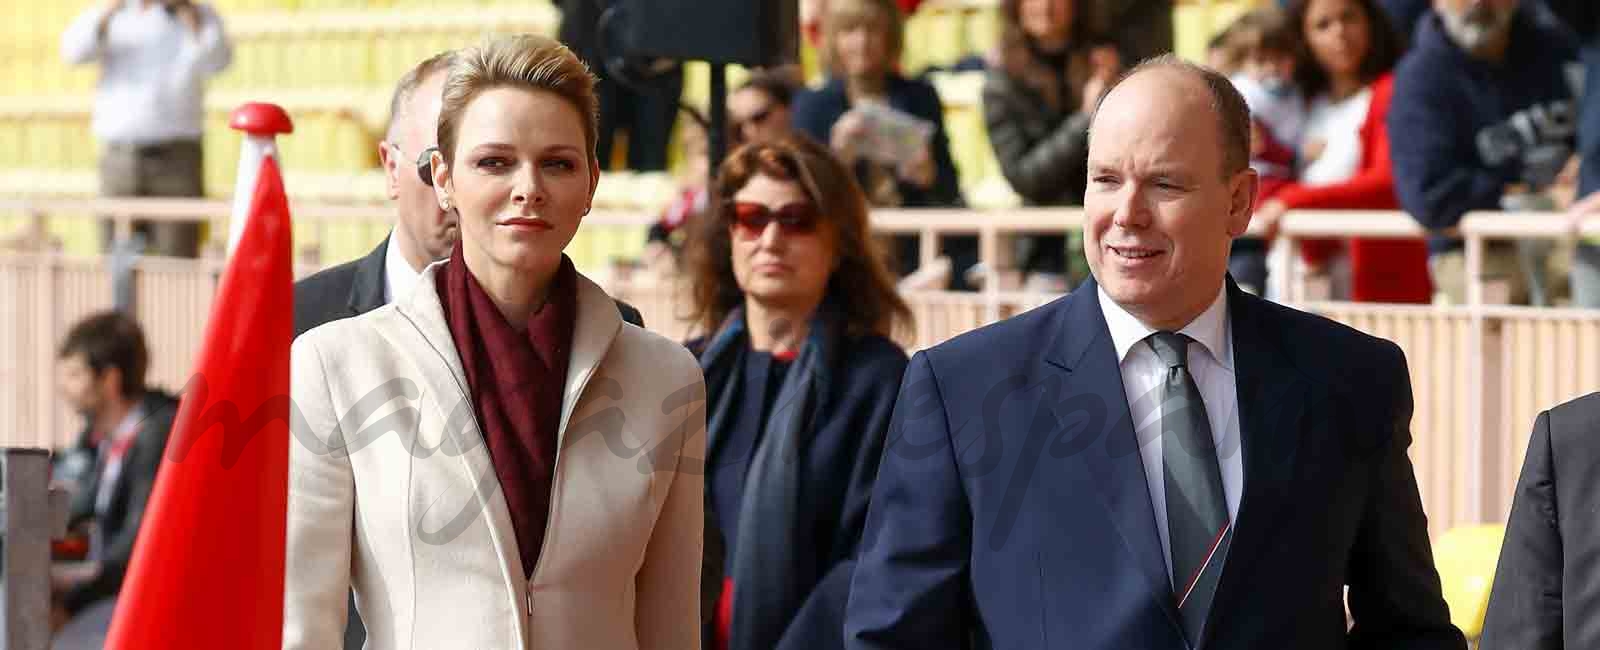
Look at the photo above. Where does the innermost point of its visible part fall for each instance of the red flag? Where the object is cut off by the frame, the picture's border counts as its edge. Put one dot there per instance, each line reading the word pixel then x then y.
pixel 207 570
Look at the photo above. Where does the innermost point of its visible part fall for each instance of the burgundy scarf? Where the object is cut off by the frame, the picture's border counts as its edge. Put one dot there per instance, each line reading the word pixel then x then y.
pixel 516 381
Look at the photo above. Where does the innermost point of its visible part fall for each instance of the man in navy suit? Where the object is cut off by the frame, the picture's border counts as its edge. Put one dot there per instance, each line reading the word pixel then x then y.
pixel 1157 460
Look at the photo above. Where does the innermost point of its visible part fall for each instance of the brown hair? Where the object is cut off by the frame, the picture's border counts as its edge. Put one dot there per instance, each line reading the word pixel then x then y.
pixel 110 339
pixel 1019 60
pixel 861 283
pixel 407 86
pixel 522 61
pixel 1262 31
pixel 1384 46
pixel 845 14
pixel 1233 114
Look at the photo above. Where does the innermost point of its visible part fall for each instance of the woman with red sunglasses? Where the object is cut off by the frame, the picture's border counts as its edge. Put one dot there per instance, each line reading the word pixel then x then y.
pixel 801 378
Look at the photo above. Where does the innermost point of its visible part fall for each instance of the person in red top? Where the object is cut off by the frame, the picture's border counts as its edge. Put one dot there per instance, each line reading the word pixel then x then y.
pixel 1345 69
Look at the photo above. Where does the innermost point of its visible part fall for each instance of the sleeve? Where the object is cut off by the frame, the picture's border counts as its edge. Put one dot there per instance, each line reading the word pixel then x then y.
pixel 820 621
pixel 1372 186
pixel 1035 169
pixel 1437 174
pixel 321 509
pixel 909 587
pixel 668 584
pixel 80 43
pixel 1395 597
pixel 207 53
pixel 1525 602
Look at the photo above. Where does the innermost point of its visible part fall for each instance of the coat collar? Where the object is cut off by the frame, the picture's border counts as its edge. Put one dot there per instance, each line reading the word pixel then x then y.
pixel 1272 392
pixel 596 328
pixel 366 291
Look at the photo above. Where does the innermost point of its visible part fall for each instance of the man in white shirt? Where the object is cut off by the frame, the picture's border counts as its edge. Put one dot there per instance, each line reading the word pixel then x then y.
pixel 155 58
pixel 1158 460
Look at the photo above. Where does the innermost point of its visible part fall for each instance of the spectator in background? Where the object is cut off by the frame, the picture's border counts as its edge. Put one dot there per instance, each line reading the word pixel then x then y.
pixel 1037 106
pixel 1262 46
pixel 1583 17
pixel 861 45
pixel 1347 53
pixel 155 58
pixel 101 374
pixel 798 365
pixel 1141 29
pixel 1404 15
pixel 761 108
pixel 1482 104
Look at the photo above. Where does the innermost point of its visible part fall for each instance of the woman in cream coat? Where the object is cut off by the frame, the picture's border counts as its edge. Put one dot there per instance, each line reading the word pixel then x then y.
pixel 497 461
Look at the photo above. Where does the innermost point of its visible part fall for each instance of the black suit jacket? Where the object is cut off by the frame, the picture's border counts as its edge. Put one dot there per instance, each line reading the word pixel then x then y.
pixel 1546 592
pixel 1011 508
pixel 130 493
pixel 356 287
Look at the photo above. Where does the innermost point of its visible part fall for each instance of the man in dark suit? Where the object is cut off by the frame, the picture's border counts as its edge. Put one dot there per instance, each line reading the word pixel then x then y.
pixel 1547 589
pixel 1157 460
pixel 423 231
pixel 101 375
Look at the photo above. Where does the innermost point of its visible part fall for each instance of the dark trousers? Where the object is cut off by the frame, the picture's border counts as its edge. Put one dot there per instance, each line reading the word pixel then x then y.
pixel 167 169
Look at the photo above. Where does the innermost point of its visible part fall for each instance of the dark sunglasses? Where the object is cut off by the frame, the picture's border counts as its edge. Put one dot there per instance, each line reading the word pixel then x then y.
pixel 424 165
pixel 752 218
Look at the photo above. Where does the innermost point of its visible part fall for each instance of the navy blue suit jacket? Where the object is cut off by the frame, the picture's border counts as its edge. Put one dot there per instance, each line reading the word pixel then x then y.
pixel 1011 508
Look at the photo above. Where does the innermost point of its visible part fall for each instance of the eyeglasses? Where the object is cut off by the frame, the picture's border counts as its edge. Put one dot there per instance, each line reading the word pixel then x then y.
pixel 424 164
pixel 751 219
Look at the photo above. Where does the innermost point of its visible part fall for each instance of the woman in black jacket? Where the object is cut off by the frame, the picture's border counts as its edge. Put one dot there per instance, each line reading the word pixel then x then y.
pixel 1037 105
pixel 801 378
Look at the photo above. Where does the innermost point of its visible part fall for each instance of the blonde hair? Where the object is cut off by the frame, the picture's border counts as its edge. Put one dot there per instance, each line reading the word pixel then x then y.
pixel 845 14
pixel 524 61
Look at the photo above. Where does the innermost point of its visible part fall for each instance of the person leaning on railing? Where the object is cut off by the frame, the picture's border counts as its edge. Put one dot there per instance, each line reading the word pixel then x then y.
pixel 1347 51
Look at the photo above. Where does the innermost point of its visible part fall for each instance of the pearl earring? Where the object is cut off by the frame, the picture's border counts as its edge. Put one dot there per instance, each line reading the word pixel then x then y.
pixel 444 204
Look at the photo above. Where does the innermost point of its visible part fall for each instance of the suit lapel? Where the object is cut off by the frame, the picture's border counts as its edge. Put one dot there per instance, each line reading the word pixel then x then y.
pixel 1272 398
pixel 366 288
pixel 463 454
pixel 1088 356
pixel 598 323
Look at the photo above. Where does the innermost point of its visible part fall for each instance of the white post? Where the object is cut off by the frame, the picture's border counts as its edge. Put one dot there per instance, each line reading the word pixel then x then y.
pixel 261 123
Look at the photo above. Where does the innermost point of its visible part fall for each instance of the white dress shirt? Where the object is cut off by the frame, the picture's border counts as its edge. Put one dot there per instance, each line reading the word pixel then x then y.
pixel 398 276
pixel 153 70
pixel 1210 361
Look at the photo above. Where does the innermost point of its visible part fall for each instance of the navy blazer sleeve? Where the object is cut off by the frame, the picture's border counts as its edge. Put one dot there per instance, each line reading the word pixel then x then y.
pixel 1395 596
pixel 820 621
pixel 1525 602
pixel 1437 175
pixel 910 585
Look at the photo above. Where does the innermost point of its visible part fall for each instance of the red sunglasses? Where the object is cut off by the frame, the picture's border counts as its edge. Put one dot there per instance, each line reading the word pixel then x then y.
pixel 752 218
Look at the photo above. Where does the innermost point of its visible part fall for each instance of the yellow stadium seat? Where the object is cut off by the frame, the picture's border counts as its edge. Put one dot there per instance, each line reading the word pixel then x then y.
pixel 1466 557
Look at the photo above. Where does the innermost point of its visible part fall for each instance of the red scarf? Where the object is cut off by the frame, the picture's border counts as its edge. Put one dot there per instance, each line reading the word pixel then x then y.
pixel 516 380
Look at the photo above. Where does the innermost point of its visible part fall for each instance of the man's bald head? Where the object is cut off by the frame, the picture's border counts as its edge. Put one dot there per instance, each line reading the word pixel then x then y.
pixel 1226 104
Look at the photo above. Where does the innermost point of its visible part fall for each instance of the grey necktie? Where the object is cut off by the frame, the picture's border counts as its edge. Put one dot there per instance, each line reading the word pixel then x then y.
pixel 1197 511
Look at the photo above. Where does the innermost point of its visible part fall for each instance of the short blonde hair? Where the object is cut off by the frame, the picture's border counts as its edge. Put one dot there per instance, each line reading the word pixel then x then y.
pixel 523 61
pixel 845 14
